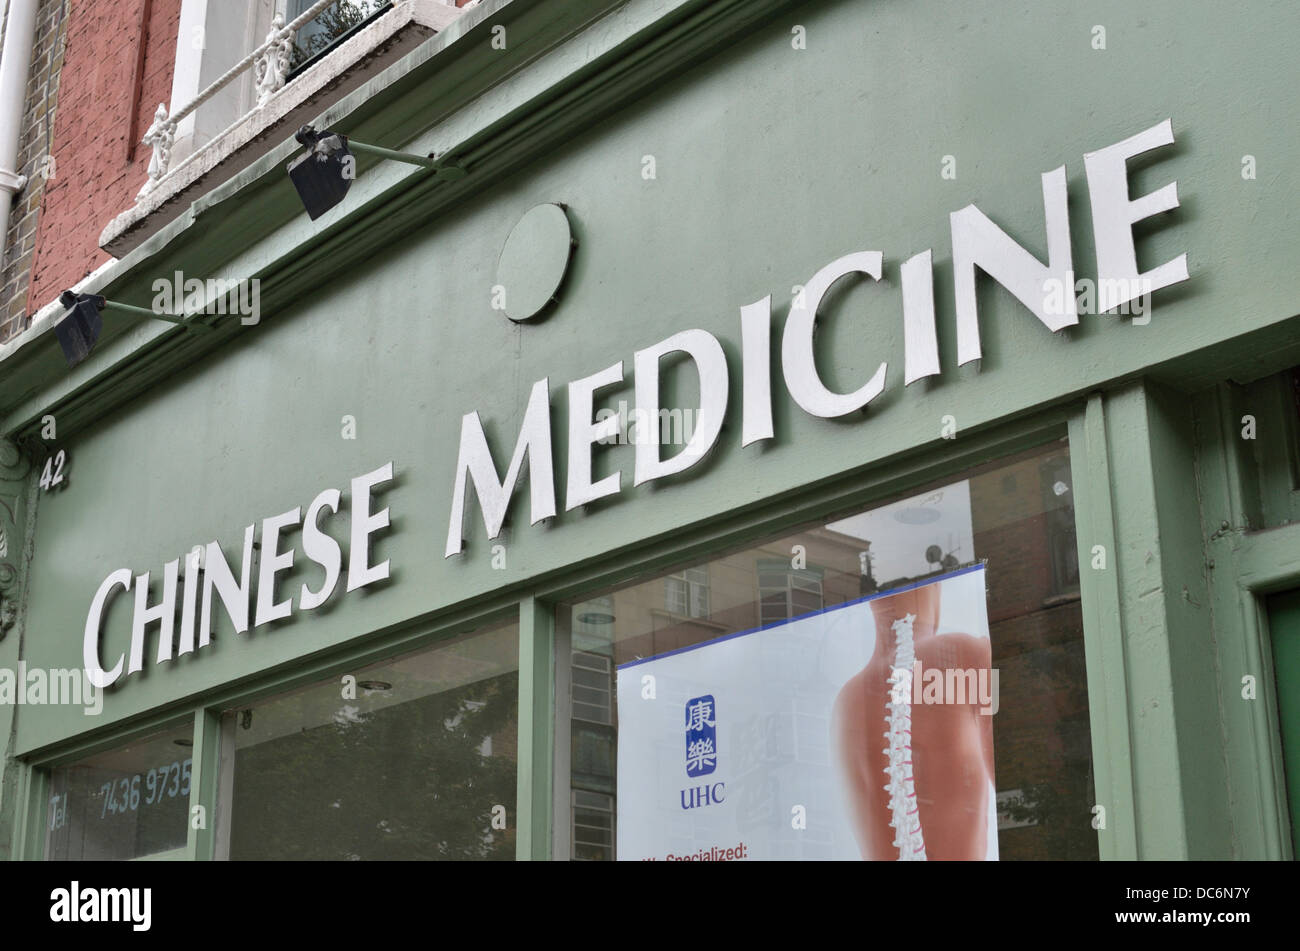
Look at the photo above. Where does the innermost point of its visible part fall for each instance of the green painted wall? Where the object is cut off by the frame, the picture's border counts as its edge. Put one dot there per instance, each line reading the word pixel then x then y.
pixel 770 162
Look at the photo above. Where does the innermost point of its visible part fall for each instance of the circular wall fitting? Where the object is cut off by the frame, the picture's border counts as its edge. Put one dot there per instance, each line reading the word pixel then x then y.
pixel 534 261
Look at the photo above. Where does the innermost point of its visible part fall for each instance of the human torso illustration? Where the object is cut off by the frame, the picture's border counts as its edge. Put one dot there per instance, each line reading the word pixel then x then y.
pixel 917 775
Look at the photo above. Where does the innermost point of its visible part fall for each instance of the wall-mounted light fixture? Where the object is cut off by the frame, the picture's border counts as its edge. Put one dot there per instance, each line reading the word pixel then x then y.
pixel 80 327
pixel 324 174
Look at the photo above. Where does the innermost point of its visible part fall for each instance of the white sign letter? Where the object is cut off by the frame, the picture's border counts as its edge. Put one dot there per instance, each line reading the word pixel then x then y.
pixel 582 434
pixel 475 460
pixel 920 341
pixel 272 562
pixel 164 612
pixel 797 362
pixel 756 370
pixel 978 242
pixel 711 364
pixel 1113 217
pixel 94 621
pixel 360 571
pixel 234 597
pixel 322 549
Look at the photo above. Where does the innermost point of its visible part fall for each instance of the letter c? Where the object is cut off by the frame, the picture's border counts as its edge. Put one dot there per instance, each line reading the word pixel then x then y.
pixel 717 791
pixel 797 364
pixel 94 621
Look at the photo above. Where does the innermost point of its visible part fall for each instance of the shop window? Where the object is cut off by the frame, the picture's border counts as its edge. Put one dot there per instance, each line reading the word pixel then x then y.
pixel 687 593
pixel 749 728
pixel 127 803
pixel 412 758
pixel 1294 429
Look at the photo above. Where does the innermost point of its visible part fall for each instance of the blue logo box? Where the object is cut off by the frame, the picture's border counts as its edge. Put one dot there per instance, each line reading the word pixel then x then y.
pixel 701 736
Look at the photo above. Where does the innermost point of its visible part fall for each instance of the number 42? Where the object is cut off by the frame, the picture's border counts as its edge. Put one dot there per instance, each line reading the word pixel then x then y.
pixel 52 475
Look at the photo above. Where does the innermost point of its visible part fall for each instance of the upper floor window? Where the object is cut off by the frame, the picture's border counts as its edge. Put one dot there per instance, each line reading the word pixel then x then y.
pixel 236 57
pixel 329 27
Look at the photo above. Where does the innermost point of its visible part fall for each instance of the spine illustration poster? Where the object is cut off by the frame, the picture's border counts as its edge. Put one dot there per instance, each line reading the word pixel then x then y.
pixel 860 732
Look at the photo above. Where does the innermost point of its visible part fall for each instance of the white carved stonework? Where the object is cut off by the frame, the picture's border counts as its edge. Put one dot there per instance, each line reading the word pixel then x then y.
pixel 161 134
pixel 273 65
pixel 14 467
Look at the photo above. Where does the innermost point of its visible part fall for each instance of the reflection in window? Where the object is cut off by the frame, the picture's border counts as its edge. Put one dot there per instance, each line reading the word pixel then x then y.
pixel 593 617
pixel 593 825
pixel 1293 379
pixel 123 804
pixel 414 758
pixel 329 26
pixel 1062 546
pixel 591 695
pixel 1014 516
pixel 687 592
pixel 786 592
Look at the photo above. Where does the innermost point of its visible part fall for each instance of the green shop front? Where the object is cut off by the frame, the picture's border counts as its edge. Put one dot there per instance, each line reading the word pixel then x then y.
pixel 618 496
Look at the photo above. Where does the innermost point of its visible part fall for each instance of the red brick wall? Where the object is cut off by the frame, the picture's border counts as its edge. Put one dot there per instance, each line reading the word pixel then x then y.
pixel 94 180
pixel 36 137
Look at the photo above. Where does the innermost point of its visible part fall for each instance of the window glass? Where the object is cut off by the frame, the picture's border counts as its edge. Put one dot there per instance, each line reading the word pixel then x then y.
pixel 754 719
pixel 329 26
pixel 412 758
pixel 123 804
pixel 1293 382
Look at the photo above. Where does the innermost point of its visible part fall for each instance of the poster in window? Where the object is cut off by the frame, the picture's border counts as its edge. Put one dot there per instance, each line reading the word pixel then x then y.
pixel 864 731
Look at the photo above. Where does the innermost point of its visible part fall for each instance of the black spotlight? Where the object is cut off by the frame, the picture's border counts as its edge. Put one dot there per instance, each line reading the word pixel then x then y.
pixel 80 326
pixel 324 174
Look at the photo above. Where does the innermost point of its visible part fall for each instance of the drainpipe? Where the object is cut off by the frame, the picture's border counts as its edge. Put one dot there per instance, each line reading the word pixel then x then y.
pixel 15 63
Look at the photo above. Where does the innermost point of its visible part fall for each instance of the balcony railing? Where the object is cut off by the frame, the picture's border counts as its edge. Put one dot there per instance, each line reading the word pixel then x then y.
pixel 271 62
pixel 282 98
